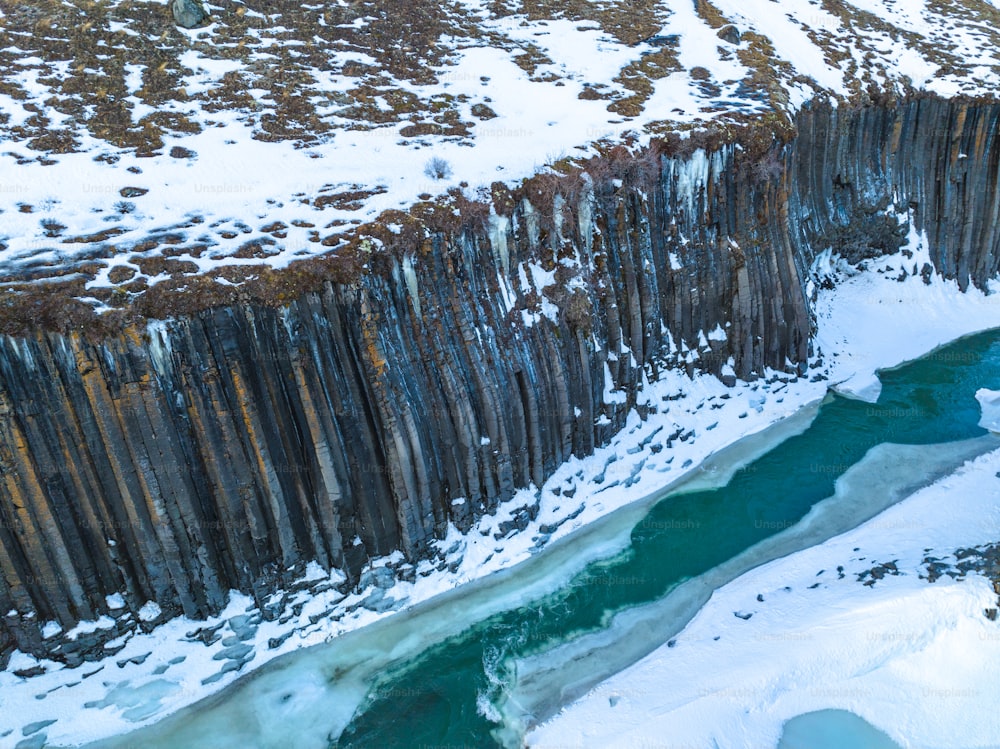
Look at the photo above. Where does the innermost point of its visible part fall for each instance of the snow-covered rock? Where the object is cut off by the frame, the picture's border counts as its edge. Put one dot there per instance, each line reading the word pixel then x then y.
pixel 989 403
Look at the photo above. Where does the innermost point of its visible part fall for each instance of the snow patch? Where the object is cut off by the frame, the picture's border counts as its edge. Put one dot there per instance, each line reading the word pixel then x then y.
pixel 989 402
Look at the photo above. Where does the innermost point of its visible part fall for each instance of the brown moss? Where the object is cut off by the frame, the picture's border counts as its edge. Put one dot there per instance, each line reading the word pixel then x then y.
pixel 120 274
pixel 638 76
pixel 712 15
pixel 630 21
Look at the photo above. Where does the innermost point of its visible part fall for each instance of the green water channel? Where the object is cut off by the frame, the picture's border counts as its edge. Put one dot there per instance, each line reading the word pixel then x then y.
pixel 448 694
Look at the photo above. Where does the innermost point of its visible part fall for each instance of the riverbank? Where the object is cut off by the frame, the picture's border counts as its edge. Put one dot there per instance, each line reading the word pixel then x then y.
pixel 886 475
pixel 865 622
pixel 181 662
pixel 893 621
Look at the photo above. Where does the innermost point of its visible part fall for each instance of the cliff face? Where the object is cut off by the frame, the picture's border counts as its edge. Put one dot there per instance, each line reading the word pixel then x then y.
pixel 227 449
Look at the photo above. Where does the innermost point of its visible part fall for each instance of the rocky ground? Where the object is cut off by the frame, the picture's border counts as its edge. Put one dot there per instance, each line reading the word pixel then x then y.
pixel 980 560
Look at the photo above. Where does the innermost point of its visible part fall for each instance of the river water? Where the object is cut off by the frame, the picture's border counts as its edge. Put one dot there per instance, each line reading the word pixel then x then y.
pixel 450 693
pixel 490 670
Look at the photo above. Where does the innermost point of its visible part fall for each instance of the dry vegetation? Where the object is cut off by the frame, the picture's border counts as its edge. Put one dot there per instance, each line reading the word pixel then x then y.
pixel 367 249
pixel 629 21
pixel 115 69
pixel 88 45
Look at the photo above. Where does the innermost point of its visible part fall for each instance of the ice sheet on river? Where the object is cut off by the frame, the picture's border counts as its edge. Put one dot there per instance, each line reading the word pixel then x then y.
pixel 915 659
pixel 887 474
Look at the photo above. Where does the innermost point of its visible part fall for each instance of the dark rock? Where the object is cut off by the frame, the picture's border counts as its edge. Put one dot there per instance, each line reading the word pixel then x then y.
pixel 729 33
pixel 188 14
pixel 277 642
pixel 483 111
pixel 664 40
pixel 36 727
pixel 35 742
pixel 132 192
pixel 521 517
pixel 179 152
pixel 137 660
pixel 207 635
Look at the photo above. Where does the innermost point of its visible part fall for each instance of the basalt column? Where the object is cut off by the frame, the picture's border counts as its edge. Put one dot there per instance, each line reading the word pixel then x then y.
pixel 227 448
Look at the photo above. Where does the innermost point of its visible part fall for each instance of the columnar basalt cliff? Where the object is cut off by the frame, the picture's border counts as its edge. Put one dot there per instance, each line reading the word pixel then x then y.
pixel 227 448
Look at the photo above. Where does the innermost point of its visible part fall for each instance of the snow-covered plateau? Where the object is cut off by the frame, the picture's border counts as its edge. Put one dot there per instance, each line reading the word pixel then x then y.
pixel 135 153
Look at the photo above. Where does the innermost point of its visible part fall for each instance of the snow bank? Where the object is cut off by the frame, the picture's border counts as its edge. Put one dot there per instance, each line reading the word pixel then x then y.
pixel 916 660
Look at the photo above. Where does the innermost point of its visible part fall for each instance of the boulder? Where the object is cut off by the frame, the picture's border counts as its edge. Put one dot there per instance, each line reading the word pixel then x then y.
pixel 188 13
pixel 729 33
